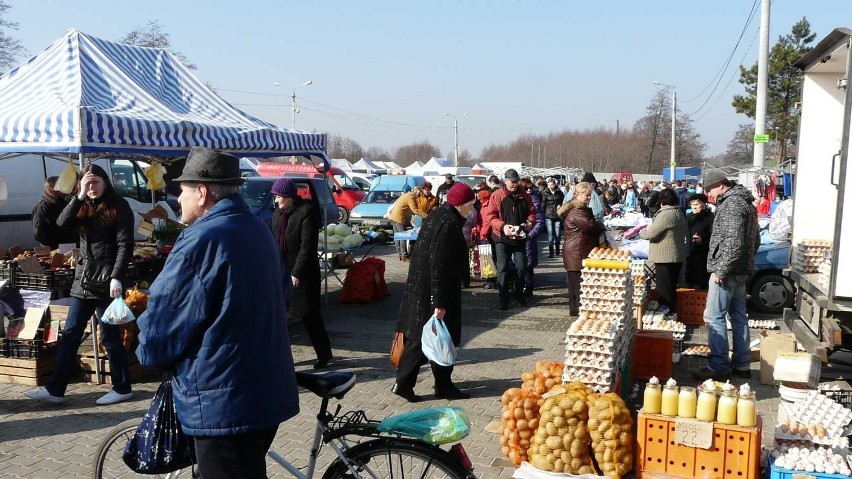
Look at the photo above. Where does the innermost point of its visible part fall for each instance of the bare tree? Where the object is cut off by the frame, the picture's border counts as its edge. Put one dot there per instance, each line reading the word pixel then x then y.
pixel 741 147
pixel 405 155
pixel 343 147
pixel 378 154
pixel 10 48
pixel 151 35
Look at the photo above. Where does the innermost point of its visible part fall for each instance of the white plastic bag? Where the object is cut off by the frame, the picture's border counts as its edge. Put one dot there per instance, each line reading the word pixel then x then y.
pixel 118 312
pixel 436 342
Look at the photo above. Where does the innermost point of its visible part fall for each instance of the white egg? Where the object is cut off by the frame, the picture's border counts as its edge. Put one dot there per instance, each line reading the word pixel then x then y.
pixel 819 467
pixel 800 466
pixel 781 463
pixel 776 454
pixel 809 467
pixel 829 469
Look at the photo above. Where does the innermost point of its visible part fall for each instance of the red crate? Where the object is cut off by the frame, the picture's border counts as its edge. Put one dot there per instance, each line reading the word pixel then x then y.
pixel 652 354
pixel 689 305
pixel 735 453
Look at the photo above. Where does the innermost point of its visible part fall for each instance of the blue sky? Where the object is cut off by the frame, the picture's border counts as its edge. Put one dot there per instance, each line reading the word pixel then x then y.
pixel 385 72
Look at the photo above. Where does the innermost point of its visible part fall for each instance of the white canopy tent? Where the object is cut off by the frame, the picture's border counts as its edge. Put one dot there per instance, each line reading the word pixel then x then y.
pixel 365 165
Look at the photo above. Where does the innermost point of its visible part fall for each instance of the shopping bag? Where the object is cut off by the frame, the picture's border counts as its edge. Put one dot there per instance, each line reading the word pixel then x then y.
pixel 436 425
pixel 396 348
pixel 487 267
pixel 437 344
pixel 118 313
pixel 67 179
pixel 159 445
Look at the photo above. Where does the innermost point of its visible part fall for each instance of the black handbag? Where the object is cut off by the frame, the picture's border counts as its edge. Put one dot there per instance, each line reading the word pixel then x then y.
pixel 96 275
pixel 159 445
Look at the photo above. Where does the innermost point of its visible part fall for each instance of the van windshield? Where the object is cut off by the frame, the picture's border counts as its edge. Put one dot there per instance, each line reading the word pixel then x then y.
pixel 382 196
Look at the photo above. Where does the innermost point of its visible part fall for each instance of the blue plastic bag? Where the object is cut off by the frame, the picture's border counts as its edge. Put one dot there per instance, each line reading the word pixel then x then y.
pixel 159 445
pixel 437 344
pixel 118 313
pixel 437 425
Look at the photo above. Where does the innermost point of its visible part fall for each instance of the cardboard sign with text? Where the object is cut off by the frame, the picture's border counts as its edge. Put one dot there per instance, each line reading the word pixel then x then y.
pixel 694 433
pixel 32 321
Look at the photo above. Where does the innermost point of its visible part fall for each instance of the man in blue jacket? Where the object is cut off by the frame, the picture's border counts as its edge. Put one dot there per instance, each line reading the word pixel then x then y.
pixel 216 320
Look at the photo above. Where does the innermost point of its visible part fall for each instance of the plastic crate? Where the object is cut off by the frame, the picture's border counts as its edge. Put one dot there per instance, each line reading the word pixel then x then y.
pixel 840 396
pixel 778 473
pixel 652 354
pixel 689 306
pixel 7 270
pixel 735 453
pixel 48 280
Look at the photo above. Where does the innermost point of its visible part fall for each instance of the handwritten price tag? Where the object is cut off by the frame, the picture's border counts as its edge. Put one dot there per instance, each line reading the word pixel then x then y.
pixel 692 433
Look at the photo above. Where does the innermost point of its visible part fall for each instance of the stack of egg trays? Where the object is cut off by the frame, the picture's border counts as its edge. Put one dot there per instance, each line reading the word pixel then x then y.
pixel 809 254
pixel 592 356
pixel 817 408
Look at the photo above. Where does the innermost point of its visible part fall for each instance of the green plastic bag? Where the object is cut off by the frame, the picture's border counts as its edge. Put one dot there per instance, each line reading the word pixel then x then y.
pixel 436 425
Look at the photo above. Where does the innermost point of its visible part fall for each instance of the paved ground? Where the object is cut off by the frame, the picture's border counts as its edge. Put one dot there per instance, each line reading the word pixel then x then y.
pixel 43 441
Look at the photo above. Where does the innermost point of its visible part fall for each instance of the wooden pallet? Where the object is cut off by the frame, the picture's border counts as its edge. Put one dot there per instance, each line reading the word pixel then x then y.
pixel 28 372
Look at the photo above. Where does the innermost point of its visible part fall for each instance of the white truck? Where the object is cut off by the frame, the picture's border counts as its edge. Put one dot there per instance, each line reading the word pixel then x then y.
pixel 24 177
pixel 822 200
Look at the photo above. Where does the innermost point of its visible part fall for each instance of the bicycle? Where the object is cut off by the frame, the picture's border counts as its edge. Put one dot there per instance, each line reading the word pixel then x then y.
pixel 383 455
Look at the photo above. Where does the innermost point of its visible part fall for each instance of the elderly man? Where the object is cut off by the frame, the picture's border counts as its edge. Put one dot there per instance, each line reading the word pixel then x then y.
pixel 511 215
pixel 733 244
pixel 216 319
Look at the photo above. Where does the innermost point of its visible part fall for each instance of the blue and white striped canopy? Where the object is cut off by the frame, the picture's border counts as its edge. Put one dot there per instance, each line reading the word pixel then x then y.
pixel 84 95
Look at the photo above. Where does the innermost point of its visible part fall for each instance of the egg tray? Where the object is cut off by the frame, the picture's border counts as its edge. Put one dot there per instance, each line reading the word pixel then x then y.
pixel 762 324
pixel 819 409
pixel 603 347
pixel 602 295
pixel 588 375
pixel 664 325
pixel 592 381
pixel 591 365
pixel 605 282
pixel 840 442
pixel 697 350
pixel 606 316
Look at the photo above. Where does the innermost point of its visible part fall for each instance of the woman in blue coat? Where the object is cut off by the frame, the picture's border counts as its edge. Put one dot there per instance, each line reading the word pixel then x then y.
pixel 532 236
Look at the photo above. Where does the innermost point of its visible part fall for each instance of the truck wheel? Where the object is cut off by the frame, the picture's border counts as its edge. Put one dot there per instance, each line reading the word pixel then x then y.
pixel 771 293
pixel 342 215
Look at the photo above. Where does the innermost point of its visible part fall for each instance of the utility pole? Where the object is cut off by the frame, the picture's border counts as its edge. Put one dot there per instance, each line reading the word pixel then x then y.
pixel 762 84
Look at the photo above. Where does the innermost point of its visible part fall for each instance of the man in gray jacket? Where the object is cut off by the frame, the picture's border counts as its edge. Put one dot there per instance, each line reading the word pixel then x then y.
pixel 733 244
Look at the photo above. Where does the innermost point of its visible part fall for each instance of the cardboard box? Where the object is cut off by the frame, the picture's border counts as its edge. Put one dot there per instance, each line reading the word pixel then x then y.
pixel 772 343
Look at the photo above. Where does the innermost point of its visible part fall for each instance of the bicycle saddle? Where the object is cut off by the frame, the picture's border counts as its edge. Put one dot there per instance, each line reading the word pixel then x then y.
pixel 325 385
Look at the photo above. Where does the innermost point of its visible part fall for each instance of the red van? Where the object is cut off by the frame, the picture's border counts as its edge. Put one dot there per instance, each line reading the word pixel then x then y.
pixel 346 193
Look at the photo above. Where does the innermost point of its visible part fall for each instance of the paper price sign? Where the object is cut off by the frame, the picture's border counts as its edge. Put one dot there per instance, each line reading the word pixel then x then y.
pixel 761 138
pixel 692 433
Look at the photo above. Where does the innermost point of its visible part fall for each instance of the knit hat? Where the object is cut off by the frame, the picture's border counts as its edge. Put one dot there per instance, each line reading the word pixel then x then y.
pixel 459 194
pixel 589 177
pixel 284 187
pixel 713 178
pixel 484 195
pixel 512 175
pixel 698 196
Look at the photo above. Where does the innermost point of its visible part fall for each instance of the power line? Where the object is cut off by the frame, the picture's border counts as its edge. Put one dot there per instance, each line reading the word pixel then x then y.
pixel 727 64
pixel 730 79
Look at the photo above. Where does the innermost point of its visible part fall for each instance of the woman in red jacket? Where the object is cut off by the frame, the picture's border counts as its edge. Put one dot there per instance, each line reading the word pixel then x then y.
pixel 582 234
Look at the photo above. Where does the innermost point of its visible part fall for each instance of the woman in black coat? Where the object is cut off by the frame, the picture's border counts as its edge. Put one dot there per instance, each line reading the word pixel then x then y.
pixel 700 223
pixel 294 225
pixel 434 283
pixel 105 222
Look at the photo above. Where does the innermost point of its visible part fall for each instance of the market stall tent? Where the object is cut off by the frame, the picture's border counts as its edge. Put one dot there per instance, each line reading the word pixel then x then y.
pixel 87 95
pixel 414 169
pixel 364 165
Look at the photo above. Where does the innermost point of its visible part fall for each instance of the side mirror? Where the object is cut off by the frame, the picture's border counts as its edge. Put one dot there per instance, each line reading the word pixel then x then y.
pixel 335 189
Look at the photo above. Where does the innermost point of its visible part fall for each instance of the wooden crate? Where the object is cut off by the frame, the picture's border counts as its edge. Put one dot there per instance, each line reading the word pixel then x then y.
pixel 28 372
pixel 87 368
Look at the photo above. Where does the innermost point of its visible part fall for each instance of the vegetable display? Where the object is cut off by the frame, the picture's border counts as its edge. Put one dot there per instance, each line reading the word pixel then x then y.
pixel 611 429
pixel 561 442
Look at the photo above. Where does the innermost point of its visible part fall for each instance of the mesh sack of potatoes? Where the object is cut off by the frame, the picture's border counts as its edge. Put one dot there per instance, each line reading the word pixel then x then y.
pixel 518 423
pixel 610 427
pixel 561 442
pixel 550 369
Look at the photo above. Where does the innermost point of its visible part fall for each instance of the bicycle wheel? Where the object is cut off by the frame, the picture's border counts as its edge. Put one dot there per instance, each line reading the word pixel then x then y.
pixel 399 459
pixel 108 461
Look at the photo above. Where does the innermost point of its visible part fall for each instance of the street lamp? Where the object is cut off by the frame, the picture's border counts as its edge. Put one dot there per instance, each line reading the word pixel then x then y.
pixel 456 130
pixel 295 110
pixel 674 116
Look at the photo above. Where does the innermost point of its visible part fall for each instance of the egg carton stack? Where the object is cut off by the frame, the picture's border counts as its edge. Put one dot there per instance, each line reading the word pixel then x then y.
pixel 657 320
pixel 824 269
pixel 597 343
pixel 640 281
pixel 809 254
pixel 819 413
pixel 761 324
